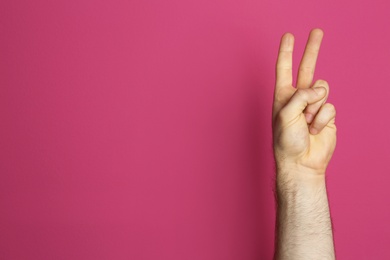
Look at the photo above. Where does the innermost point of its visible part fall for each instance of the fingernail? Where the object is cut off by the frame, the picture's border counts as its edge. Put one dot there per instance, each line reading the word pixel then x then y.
pixel 313 131
pixel 320 90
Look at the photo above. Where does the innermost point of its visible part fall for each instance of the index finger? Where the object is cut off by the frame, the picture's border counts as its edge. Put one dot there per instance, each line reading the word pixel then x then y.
pixel 284 62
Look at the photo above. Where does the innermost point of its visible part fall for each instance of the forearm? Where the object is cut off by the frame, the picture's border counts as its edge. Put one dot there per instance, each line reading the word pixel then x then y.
pixel 304 229
pixel 304 139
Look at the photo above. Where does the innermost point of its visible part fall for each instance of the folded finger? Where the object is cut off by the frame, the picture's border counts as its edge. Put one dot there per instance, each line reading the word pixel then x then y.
pixel 312 109
pixel 326 113
pixel 300 100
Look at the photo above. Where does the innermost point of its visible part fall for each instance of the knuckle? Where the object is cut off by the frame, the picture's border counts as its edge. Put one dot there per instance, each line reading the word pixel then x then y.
pixel 320 122
pixel 306 69
pixel 302 93
pixel 331 109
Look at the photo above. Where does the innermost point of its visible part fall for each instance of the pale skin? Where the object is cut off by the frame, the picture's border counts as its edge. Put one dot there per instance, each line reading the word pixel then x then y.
pixel 304 139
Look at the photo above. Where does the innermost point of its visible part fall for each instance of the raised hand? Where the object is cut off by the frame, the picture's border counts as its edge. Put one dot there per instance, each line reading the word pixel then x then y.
pixel 304 130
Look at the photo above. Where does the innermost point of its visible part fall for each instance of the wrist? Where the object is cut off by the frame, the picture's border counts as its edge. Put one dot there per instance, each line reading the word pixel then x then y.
pixel 299 170
pixel 299 177
pixel 296 186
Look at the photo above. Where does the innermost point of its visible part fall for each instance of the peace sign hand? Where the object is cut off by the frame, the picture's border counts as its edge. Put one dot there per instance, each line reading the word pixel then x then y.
pixel 304 130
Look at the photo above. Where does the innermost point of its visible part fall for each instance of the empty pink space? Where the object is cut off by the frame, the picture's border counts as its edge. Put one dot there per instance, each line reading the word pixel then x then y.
pixel 142 129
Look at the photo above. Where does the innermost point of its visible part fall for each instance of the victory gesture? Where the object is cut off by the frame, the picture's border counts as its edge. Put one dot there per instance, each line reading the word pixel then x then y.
pixel 304 130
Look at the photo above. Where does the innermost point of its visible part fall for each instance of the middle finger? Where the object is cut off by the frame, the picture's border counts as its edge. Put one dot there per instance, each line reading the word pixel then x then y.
pixel 309 59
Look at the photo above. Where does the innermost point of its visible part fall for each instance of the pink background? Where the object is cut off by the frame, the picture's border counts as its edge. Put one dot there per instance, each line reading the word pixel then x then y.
pixel 142 129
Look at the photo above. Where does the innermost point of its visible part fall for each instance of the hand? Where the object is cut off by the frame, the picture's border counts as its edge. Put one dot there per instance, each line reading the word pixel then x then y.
pixel 304 130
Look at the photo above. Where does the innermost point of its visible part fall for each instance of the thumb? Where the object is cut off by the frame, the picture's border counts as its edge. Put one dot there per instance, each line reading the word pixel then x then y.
pixel 301 99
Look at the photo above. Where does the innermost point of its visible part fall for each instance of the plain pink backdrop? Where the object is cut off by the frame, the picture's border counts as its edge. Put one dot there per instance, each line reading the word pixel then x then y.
pixel 142 129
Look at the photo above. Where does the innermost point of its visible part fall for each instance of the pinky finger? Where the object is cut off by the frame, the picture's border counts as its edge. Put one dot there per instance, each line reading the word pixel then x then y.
pixel 326 113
